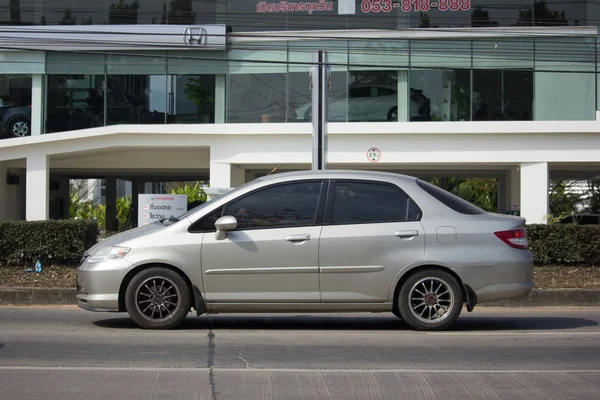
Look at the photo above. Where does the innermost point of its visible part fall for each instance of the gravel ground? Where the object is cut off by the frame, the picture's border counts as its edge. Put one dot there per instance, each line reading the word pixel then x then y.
pixel 548 277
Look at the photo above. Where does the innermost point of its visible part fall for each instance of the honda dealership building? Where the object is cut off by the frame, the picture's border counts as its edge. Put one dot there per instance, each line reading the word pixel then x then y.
pixel 218 90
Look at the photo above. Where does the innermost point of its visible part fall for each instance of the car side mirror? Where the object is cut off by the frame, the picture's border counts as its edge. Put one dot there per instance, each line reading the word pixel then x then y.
pixel 224 224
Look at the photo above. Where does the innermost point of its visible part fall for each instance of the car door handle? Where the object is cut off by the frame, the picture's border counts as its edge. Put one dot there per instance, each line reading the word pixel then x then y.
pixel 406 234
pixel 297 238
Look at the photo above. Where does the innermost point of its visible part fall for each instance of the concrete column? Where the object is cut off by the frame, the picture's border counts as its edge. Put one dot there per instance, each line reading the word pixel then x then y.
pixel 137 187
pixel 37 194
pixel 4 202
pixel 403 97
pixel 111 205
pixel 513 189
pixel 37 104
pixel 503 190
pixel 534 192
pixel 220 99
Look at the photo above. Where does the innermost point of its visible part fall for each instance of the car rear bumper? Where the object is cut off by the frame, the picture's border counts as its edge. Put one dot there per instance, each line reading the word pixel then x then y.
pixel 511 277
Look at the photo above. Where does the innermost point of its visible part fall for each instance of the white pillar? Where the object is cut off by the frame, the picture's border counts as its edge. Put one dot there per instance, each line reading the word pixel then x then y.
pixel 37 196
pixel 534 192
pixel 37 104
pixel 220 105
pixel 403 97
pixel 111 205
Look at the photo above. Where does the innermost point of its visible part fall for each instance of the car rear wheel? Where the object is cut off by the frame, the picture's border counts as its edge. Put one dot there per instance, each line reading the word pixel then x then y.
pixel 430 300
pixel 19 127
pixel 158 298
pixel 393 114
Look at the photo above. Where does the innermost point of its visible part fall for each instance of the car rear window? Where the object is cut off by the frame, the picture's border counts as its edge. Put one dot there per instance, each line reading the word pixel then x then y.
pixel 450 200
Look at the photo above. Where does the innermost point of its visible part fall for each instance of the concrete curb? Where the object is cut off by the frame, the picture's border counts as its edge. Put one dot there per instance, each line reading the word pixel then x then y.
pixel 537 298
pixel 38 296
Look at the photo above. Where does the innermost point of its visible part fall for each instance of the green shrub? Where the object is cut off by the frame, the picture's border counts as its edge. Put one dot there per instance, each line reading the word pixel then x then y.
pixel 564 244
pixel 56 242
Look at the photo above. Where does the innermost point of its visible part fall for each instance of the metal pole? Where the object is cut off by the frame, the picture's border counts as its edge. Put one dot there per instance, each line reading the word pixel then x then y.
pixel 320 81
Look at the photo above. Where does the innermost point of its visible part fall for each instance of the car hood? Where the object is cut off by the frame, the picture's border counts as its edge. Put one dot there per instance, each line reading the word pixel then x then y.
pixel 120 238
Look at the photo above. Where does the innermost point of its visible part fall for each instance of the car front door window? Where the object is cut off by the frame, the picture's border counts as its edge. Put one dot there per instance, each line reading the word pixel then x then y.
pixel 281 206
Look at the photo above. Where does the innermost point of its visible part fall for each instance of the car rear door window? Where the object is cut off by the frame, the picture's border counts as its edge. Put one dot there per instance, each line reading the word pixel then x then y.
pixel 280 206
pixel 370 202
pixel 450 200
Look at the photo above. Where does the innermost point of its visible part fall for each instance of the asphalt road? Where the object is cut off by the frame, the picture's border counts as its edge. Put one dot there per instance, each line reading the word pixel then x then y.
pixel 493 353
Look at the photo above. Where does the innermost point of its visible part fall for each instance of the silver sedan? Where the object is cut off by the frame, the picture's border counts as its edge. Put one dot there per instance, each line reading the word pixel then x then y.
pixel 324 241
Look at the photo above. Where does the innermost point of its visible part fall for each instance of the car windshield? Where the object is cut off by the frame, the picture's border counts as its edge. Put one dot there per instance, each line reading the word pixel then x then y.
pixel 201 206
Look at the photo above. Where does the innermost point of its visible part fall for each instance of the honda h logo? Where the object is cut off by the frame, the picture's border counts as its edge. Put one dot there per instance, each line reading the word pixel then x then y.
pixel 195 36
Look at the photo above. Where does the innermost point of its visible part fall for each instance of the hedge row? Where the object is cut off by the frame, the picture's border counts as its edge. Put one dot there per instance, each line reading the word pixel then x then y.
pixel 564 244
pixel 56 242
pixel 63 242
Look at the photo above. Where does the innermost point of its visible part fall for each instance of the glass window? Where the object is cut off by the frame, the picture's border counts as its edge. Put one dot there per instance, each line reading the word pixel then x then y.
pixel 502 95
pixel 372 96
pixel 136 89
pixel 564 79
pixel 74 102
pixel 366 202
pixel 207 224
pixel 440 95
pixel 257 84
pixel 15 105
pixel 440 53
pixel 191 99
pixel 280 206
pixel 299 94
pixel 449 200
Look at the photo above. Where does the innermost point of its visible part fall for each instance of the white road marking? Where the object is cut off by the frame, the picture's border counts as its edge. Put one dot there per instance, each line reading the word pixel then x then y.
pixel 301 370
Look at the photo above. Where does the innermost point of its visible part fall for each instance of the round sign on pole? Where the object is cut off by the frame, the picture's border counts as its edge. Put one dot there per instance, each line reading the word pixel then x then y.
pixel 373 154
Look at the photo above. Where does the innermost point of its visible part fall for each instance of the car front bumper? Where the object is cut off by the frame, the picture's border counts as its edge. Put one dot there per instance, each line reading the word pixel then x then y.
pixel 98 285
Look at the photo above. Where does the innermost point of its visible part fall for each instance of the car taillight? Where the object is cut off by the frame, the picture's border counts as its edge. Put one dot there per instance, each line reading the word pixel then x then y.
pixel 515 238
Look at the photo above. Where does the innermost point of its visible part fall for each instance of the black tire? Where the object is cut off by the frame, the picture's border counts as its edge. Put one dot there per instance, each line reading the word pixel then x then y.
pixel 393 114
pixel 445 298
pixel 142 297
pixel 19 127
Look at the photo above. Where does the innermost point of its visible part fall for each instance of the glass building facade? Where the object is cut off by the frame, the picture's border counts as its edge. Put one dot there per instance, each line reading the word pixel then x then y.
pixel 536 75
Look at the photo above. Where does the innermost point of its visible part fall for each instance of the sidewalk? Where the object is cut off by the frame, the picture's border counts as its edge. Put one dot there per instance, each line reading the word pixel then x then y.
pixel 537 298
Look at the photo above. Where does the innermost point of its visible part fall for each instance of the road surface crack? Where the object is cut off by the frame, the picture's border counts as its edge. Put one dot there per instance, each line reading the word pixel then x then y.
pixel 239 355
pixel 211 360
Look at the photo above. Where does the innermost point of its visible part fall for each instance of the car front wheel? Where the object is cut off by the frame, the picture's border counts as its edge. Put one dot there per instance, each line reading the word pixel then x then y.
pixel 158 298
pixel 430 300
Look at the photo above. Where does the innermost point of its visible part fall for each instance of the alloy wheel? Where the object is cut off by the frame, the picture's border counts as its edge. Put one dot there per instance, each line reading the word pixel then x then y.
pixel 431 299
pixel 20 129
pixel 157 299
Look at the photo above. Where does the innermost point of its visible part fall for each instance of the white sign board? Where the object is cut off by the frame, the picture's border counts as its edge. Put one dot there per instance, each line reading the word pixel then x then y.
pixel 153 207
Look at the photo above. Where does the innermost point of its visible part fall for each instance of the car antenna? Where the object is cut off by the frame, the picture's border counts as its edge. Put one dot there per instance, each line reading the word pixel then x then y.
pixel 275 169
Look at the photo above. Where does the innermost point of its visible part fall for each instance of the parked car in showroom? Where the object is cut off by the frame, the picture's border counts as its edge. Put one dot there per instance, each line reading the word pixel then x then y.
pixel 364 103
pixel 15 121
pixel 320 241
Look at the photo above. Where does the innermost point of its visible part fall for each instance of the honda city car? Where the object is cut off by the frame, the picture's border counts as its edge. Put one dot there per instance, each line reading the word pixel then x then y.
pixel 313 241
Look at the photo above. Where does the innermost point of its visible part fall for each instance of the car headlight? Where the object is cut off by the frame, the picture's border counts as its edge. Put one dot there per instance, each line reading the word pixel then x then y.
pixel 109 253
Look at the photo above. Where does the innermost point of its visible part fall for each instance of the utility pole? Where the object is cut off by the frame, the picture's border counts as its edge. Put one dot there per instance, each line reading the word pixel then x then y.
pixel 320 83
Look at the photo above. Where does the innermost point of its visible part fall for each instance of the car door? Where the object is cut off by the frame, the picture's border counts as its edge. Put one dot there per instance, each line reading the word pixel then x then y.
pixel 371 231
pixel 272 256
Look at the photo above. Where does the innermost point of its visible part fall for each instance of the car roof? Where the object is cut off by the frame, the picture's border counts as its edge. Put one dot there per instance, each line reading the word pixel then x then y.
pixel 337 174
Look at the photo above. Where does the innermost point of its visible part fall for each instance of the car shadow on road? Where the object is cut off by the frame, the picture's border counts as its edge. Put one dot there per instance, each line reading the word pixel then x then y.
pixel 356 323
